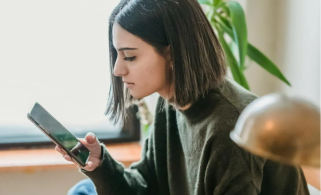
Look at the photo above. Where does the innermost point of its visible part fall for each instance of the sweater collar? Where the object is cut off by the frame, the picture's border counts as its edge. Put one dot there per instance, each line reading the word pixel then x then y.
pixel 201 108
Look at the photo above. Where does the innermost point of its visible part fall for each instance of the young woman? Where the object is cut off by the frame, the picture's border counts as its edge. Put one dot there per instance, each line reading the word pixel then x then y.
pixel 169 47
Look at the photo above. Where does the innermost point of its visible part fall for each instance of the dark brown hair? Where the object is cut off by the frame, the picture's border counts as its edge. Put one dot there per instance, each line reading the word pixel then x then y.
pixel 198 59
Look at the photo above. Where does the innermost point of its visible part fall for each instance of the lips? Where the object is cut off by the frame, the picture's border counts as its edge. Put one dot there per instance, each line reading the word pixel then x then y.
pixel 128 82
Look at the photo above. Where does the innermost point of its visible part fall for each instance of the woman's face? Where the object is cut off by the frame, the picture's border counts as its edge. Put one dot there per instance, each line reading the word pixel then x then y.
pixel 142 68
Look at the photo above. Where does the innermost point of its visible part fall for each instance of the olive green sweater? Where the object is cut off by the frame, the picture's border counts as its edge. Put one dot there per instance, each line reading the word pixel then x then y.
pixel 190 152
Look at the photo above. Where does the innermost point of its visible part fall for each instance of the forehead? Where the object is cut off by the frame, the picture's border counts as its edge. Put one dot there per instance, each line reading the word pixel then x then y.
pixel 122 38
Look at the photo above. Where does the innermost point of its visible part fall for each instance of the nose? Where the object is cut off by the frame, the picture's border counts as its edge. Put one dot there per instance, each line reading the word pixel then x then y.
pixel 120 69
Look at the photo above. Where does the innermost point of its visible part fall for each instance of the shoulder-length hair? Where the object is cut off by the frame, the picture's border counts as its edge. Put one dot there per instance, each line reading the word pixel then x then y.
pixel 198 59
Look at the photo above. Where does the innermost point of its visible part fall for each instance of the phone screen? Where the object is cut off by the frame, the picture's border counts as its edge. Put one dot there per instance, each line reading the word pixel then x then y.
pixel 59 134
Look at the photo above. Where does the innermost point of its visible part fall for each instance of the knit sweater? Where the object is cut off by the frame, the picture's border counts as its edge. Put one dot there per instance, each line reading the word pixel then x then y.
pixel 190 153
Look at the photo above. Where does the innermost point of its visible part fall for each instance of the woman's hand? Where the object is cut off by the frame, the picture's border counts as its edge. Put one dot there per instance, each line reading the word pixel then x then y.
pixel 92 143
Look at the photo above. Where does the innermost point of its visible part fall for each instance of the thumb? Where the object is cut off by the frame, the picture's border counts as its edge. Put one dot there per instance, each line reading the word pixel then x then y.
pixel 90 138
pixel 92 143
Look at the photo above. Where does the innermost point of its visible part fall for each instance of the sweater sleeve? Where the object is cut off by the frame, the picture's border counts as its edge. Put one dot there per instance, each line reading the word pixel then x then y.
pixel 112 178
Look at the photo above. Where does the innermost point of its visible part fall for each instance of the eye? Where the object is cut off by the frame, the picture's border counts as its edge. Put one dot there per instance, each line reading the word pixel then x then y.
pixel 129 58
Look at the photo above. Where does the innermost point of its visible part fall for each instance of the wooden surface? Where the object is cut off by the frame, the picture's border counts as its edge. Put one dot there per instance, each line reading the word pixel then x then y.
pixel 312 176
pixel 43 159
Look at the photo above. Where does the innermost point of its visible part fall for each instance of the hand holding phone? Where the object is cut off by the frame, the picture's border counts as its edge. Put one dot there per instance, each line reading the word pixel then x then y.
pixel 83 152
pixel 92 143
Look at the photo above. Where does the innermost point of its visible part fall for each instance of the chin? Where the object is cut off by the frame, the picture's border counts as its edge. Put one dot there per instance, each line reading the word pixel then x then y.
pixel 139 95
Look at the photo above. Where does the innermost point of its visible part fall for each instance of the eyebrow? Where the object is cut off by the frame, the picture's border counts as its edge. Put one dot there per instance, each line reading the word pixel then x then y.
pixel 126 48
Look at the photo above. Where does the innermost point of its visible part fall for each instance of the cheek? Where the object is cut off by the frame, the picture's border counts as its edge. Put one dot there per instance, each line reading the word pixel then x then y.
pixel 150 75
pixel 155 72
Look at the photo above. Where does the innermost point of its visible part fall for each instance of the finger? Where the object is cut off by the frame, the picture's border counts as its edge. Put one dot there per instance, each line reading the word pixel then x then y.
pixel 67 157
pixel 90 138
pixel 58 149
pixel 89 166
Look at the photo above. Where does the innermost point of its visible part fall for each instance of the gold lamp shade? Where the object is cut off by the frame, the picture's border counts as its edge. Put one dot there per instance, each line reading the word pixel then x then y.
pixel 281 128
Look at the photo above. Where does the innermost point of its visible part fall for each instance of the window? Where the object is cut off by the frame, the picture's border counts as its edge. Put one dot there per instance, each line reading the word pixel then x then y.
pixel 56 53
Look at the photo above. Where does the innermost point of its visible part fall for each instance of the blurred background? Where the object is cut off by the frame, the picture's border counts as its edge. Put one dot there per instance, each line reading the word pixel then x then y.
pixel 56 53
pixel 288 32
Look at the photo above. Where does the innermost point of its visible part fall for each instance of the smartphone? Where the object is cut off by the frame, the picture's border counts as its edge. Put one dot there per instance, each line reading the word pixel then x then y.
pixel 59 134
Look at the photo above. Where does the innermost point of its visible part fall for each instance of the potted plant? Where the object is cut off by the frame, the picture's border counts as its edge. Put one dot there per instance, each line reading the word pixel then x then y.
pixel 228 21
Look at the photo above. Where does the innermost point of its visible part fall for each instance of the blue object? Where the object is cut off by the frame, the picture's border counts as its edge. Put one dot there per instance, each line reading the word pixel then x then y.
pixel 84 187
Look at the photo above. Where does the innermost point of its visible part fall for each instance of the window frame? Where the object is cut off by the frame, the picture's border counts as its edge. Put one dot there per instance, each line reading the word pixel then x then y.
pixel 130 132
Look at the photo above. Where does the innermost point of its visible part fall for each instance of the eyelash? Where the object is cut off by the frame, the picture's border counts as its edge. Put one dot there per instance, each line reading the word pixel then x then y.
pixel 129 58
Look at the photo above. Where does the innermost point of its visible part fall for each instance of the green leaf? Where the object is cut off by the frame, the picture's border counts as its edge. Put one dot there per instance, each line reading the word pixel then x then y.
pixel 224 22
pixel 258 56
pixel 233 48
pixel 225 9
pixel 206 2
pixel 265 63
pixel 235 69
pixel 239 29
pixel 216 2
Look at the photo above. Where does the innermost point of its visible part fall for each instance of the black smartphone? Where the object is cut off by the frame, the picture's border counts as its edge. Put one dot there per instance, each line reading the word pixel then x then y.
pixel 59 134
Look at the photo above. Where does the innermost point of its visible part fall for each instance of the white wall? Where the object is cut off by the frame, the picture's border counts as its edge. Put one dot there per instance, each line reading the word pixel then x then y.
pixel 261 17
pixel 298 46
pixel 288 32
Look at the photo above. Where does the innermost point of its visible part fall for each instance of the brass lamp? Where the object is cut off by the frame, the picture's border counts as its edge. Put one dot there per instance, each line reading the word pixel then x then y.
pixel 281 128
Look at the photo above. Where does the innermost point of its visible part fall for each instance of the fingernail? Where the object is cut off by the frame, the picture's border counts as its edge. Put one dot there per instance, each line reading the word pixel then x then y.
pixel 92 135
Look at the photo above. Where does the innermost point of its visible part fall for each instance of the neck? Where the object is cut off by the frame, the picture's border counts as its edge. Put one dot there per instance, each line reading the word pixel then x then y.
pixel 168 95
pixel 171 102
